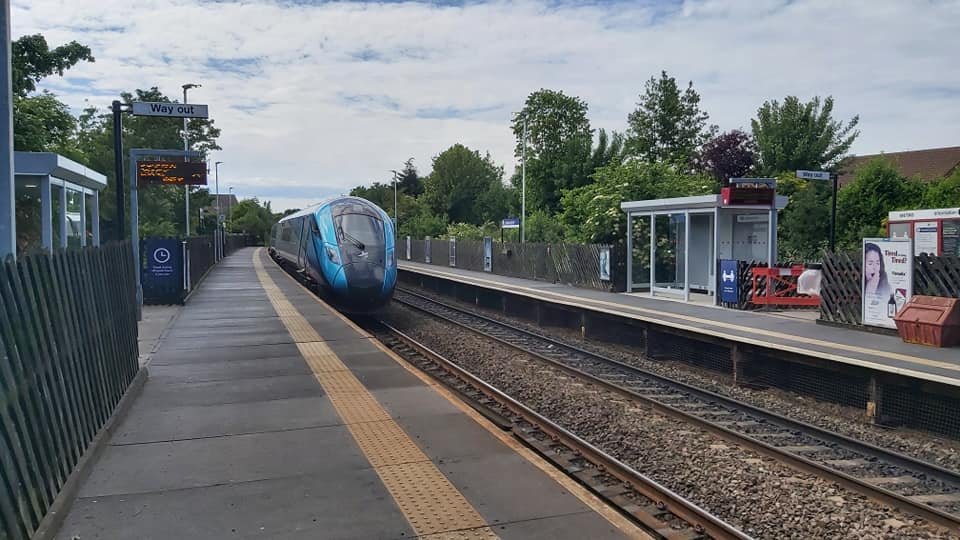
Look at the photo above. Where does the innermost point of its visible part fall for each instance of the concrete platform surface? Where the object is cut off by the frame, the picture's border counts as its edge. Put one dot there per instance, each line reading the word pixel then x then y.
pixel 795 334
pixel 254 424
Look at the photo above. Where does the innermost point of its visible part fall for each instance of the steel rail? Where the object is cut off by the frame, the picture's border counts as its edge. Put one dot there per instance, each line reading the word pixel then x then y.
pixel 700 519
pixel 797 461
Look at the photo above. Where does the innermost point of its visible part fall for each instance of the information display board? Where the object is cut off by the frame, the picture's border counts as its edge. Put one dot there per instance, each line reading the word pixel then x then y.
pixel 730 281
pixel 887 279
pixel 487 254
pixel 172 173
pixel 926 238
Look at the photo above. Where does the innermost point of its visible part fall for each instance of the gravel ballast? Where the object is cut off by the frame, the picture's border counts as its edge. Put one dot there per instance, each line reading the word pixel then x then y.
pixel 757 494
pixel 837 418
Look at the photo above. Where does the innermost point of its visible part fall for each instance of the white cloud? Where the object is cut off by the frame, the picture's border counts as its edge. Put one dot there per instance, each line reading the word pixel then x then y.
pixel 319 98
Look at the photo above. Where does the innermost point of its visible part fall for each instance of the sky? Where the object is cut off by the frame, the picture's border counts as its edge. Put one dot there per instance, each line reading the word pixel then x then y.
pixel 317 97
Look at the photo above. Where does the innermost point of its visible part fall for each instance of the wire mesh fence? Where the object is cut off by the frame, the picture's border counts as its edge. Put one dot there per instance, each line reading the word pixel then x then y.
pixel 573 264
pixel 68 352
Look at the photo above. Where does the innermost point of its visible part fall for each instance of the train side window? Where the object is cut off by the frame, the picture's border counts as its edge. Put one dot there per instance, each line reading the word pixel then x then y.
pixel 285 233
pixel 315 228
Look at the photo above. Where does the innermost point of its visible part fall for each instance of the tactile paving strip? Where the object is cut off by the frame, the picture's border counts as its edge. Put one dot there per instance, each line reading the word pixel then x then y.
pixel 432 505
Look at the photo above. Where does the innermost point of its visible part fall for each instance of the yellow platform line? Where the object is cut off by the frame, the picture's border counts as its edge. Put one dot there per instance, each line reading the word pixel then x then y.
pixel 431 504
pixel 619 521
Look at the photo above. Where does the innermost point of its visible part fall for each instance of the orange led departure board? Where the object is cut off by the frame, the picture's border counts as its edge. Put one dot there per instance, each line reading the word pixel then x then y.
pixel 172 173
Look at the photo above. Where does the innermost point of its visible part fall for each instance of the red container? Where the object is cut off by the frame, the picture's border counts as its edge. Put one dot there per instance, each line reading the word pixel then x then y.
pixel 930 320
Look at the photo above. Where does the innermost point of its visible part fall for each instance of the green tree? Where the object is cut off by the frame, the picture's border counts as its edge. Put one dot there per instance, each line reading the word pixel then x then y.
pixel 409 180
pixel 32 60
pixel 558 146
pixel 795 135
pixel 378 193
pixel 863 205
pixel 592 213
pixel 460 178
pixel 607 150
pixel 42 123
pixel 250 217
pixel 944 193
pixel 469 231
pixel 804 225
pixel 667 125
pixel 542 227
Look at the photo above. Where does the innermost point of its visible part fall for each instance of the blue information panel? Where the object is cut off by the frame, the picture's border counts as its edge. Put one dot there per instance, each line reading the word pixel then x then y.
pixel 510 223
pixel 162 277
pixel 729 281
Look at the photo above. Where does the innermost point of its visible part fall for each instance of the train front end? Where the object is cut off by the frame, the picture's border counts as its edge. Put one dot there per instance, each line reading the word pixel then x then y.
pixel 363 258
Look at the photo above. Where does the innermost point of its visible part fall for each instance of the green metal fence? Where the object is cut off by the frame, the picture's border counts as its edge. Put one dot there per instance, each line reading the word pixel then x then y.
pixel 68 351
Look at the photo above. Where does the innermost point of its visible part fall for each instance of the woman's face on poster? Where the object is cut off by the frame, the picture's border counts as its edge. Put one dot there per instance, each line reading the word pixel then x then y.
pixel 872 265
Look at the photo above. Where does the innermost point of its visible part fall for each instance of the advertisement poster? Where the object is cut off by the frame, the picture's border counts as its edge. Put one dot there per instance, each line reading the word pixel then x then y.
pixel 729 281
pixel 408 248
pixel 453 252
pixel 925 238
pixel 887 279
pixel 605 263
pixel 487 254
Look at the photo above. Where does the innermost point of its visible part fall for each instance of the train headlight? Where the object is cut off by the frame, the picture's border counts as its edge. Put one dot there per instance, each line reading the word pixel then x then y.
pixel 333 255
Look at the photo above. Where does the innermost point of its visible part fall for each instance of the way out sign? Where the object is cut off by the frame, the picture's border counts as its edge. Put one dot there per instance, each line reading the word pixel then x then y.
pixel 169 110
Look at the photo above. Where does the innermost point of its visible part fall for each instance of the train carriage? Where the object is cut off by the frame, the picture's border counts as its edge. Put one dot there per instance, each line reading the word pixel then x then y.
pixel 345 248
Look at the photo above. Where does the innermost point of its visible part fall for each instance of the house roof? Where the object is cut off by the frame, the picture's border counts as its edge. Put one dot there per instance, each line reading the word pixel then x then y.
pixel 927 165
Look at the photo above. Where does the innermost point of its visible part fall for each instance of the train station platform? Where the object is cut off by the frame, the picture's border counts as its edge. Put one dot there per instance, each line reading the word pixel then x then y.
pixel 266 414
pixel 872 351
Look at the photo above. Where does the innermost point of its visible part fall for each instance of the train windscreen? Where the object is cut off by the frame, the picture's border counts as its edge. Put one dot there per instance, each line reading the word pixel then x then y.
pixel 360 229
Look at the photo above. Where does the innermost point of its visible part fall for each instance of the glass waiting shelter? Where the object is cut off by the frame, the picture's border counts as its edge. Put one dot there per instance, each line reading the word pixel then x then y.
pixel 675 243
pixel 57 201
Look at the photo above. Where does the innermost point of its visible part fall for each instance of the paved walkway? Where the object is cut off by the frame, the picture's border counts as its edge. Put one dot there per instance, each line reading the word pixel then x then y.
pixel 267 415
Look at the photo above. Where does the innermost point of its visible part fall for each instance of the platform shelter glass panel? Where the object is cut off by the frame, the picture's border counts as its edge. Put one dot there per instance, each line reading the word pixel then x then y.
pixel 55 213
pixel 74 207
pixel 28 206
pixel 670 248
pixel 88 210
pixel 641 253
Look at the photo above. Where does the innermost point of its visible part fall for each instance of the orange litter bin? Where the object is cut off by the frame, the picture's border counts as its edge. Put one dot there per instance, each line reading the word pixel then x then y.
pixel 930 320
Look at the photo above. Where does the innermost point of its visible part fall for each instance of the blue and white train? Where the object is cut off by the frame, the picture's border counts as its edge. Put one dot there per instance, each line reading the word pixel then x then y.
pixel 344 247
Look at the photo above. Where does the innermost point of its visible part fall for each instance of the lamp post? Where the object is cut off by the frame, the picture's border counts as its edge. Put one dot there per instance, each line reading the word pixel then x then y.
pixel 219 230
pixel 186 147
pixel 396 217
pixel 523 184
pixel 230 205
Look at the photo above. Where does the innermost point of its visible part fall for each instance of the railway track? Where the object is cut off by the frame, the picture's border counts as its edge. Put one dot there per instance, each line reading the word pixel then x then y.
pixel 662 512
pixel 901 481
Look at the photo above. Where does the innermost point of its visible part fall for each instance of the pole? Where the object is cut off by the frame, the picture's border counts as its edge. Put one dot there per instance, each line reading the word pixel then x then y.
pixel 396 213
pixel 186 146
pixel 8 214
pixel 523 183
pixel 833 213
pixel 219 231
pixel 118 168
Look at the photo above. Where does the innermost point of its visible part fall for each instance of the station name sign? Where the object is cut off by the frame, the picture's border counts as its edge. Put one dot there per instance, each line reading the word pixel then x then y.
pixel 170 110
pixel 172 173
pixel 510 223
pixel 935 213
